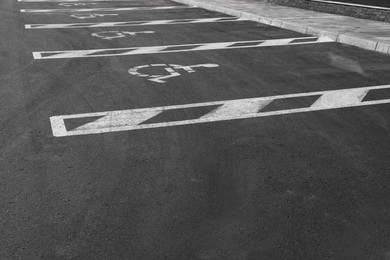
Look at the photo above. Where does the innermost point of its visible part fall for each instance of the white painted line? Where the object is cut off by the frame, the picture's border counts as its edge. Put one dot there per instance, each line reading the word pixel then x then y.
pixel 177 48
pixel 134 119
pixel 63 1
pixel 351 4
pixel 132 23
pixel 308 17
pixel 76 4
pixel 103 9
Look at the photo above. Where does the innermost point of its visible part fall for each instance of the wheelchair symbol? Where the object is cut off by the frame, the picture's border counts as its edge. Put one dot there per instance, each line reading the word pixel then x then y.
pixel 109 35
pixel 88 16
pixel 170 68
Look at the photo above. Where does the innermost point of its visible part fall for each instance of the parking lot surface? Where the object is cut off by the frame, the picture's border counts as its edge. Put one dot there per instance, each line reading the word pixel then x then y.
pixel 153 130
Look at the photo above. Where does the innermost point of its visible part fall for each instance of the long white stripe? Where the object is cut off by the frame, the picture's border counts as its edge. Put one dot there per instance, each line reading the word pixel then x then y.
pixel 103 9
pixel 211 20
pixel 166 49
pixel 132 23
pixel 125 120
pixel 352 4
pixel 64 1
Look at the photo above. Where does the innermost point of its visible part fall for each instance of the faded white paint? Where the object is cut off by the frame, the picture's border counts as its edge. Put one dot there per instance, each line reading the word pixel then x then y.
pixel 128 23
pixel 103 9
pixel 133 119
pixel 56 1
pixel 75 4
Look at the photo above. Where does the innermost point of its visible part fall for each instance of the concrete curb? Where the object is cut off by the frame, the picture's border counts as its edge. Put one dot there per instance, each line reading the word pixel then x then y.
pixel 367 44
pixel 343 9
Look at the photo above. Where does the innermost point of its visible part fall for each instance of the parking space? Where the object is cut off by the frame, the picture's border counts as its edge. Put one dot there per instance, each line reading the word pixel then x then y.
pixel 188 32
pixel 67 19
pixel 94 4
pixel 189 134
pixel 101 7
pixel 289 69
pixel 212 77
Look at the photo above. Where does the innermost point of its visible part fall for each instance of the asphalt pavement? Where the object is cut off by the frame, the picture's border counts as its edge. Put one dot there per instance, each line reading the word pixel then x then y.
pixel 154 130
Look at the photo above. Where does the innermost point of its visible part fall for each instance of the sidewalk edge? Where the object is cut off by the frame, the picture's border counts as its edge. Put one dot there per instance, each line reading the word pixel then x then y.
pixel 338 37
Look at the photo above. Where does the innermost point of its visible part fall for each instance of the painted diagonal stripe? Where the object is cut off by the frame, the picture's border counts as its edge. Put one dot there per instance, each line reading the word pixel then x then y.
pixel 103 9
pixel 173 48
pixel 132 23
pixel 134 119
pixel 213 46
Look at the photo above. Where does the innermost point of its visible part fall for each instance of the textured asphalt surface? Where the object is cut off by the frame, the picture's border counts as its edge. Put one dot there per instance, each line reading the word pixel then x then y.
pixel 300 186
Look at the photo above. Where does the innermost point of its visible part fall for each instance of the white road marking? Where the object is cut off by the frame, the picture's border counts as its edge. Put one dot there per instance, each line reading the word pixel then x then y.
pixel 351 4
pixel 109 35
pixel 55 1
pixel 134 119
pixel 88 16
pixel 103 9
pixel 129 23
pixel 75 4
pixel 176 48
pixel 172 69
pixel 307 17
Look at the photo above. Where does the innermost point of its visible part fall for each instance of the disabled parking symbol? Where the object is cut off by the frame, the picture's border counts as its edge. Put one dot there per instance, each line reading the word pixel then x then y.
pixel 89 16
pixel 173 70
pixel 109 35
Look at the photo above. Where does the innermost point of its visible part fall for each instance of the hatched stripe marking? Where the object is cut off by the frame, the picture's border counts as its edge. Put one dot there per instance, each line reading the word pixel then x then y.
pixel 133 119
pixel 165 49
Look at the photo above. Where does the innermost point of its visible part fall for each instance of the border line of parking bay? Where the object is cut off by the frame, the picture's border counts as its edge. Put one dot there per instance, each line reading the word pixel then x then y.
pixel 62 1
